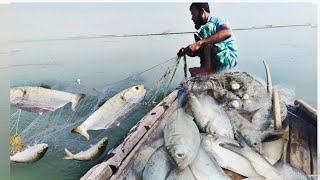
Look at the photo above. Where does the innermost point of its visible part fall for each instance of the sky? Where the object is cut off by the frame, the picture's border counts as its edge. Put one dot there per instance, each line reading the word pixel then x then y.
pixel 33 21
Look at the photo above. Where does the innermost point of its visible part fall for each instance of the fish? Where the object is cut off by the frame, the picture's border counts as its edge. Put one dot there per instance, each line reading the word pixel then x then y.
pixel 112 111
pixel 184 174
pixel 31 154
pixel 260 164
pixel 253 136
pixel 226 158
pixel 141 158
pixel 205 167
pixel 158 166
pixel 181 138
pixel 262 118
pixel 209 117
pixel 42 100
pixel 290 172
pixel 91 153
pixel 273 149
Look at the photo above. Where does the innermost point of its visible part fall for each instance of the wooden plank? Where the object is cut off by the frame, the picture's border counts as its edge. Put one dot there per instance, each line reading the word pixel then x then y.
pixel 116 156
pixel 269 81
pixel 147 136
pixel 299 146
pixel 308 110
pixel 276 110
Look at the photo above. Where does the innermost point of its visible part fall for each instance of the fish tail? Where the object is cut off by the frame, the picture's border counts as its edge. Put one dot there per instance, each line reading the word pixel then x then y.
pixel 81 131
pixel 69 154
pixel 75 100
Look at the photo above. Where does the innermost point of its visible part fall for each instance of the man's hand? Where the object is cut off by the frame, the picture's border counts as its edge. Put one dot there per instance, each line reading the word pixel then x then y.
pixel 194 47
pixel 190 50
pixel 181 52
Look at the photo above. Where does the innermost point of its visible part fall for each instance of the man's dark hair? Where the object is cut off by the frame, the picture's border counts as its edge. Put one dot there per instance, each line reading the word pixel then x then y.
pixel 199 6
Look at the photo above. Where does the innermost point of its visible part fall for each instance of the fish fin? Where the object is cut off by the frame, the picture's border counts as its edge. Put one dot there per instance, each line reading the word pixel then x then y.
pixel 101 103
pixel 271 134
pixel 69 154
pixel 82 132
pixel 45 86
pixel 232 147
pixel 240 138
pixel 75 100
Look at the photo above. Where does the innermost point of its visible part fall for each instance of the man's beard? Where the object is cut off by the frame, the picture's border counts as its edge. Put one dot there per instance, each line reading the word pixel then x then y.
pixel 199 23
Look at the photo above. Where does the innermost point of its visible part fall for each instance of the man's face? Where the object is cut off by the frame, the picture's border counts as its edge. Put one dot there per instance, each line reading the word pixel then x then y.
pixel 197 17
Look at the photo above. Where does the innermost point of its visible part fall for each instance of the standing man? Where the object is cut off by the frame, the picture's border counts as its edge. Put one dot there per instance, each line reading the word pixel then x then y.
pixel 215 43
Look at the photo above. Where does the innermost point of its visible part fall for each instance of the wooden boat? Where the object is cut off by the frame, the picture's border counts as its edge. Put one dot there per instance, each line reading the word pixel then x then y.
pixel 301 151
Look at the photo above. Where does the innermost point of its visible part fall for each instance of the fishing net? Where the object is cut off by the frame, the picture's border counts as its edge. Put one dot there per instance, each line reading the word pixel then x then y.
pixel 54 128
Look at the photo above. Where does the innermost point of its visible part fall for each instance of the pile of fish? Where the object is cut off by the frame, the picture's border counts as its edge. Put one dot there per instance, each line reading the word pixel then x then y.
pixel 224 123
pixel 42 100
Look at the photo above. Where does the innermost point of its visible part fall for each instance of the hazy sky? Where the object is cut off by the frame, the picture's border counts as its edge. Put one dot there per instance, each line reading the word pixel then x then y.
pixel 60 20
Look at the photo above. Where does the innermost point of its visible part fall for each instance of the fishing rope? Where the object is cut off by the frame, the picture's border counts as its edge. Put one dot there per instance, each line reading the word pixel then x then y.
pixel 185 66
pixel 148 69
pixel 165 34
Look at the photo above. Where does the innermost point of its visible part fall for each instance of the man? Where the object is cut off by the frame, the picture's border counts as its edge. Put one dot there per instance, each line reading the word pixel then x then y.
pixel 215 44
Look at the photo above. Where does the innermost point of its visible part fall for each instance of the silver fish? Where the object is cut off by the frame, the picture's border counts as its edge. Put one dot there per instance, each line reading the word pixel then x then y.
pixel 91 153
pixel 205 167
pixel 112 111
pixel 182 138
pixel 253 136
pixel 209 117
pixel 30 154
pixel 290 172
pixel 260 164
pixel 135 169
pixel 184 174
pixel 158 166
pixel 262 119
pixel 273 149
pixel 226 158
pixel 41 100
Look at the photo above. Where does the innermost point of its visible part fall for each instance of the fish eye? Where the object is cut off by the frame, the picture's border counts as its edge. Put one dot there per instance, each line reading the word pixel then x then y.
pixel 137 88
pixel 255 143
pixel 180 155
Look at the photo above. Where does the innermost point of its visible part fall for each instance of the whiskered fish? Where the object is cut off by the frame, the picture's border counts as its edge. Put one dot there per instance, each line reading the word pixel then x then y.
pixel 112 111
pixel 91 153
pixel 42 100
pixel 30 154
pixel 181 138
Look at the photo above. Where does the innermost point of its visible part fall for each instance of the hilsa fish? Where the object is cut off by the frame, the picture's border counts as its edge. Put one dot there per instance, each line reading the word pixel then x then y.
pixel 226 158
pixel 30 154
pixel 259 163
pixel 181 138
pixel 91 153
pixel 42 100
pixel 112 111
pixel 209 117
pixel 158 166
pixel 253 136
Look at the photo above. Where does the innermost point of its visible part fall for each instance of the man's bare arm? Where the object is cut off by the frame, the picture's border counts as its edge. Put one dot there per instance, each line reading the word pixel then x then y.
pixel 221 35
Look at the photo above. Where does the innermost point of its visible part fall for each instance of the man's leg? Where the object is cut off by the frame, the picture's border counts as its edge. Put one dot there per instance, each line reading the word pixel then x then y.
pixel 207 59
pixel 206 66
